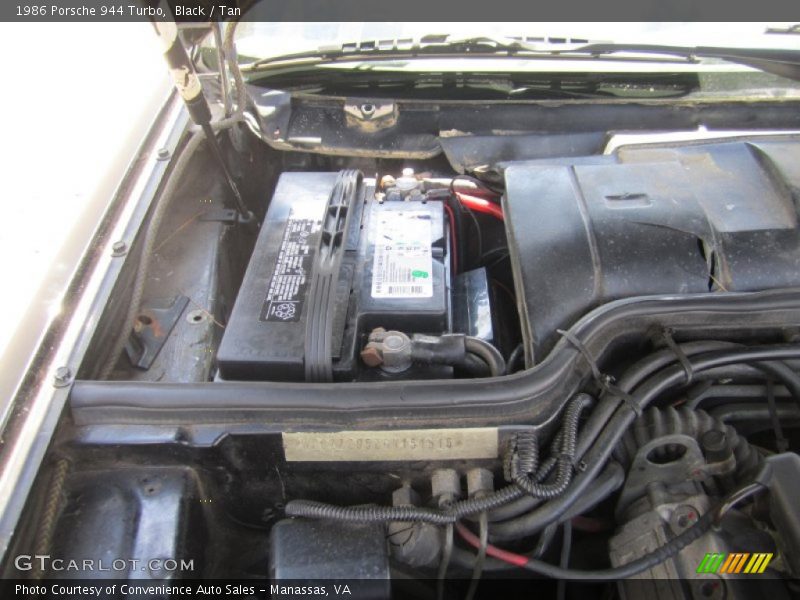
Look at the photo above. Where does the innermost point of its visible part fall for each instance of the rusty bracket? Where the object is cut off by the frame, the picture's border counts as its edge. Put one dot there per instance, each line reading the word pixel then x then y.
pixel 151 330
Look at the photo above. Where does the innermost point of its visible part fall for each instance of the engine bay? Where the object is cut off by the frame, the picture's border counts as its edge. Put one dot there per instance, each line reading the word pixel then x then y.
pixel 581 233
pixel 417 371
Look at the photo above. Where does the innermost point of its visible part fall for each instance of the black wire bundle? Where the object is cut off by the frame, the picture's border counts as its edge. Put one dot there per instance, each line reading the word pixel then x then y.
pixel 527 456
pixel 644 382
pixel 531 505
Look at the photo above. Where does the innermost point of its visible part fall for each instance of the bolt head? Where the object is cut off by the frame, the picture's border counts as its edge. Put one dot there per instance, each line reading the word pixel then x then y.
pixel 715 445
pixel 163 154
pixel 119 248
pixel 371 356
pixel 683 517
pixel 394 342
pixel 62 377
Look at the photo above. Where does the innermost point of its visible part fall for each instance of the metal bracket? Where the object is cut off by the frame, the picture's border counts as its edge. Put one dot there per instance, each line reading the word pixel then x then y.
pixel 644 470
pixel 370 116
pixel 223 215
pixel 151 330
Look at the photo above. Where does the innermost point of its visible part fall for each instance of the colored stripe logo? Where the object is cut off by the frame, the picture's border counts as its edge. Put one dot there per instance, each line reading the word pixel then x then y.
pixel 735 562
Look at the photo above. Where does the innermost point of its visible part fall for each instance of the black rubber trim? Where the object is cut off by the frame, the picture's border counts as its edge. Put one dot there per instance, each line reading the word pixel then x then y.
pixel 534 396
pixel 322 292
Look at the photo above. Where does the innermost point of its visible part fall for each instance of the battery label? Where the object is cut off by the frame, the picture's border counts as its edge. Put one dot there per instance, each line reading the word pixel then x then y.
pixel 287 287
pixel 402 264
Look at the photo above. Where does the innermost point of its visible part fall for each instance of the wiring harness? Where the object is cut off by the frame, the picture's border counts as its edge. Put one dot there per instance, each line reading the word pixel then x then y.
pixel 581 470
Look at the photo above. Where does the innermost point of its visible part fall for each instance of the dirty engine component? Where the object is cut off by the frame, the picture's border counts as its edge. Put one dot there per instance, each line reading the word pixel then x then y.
pixel 685 220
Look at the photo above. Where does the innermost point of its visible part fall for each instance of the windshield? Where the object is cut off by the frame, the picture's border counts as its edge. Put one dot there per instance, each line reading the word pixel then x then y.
pixel 265 40
pixel 394 60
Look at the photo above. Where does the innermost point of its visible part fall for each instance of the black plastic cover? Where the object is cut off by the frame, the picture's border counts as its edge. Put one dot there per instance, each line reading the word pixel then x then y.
pixel 265 335
pixel 698 218
pixel 135 513
pixel 305 549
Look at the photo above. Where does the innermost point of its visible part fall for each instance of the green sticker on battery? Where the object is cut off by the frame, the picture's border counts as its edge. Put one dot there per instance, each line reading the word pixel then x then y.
pixel 402 265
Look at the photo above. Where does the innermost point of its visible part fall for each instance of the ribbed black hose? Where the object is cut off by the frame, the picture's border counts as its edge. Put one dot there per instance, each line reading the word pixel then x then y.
pixel 610 435
pixel 368 513
pixel 606 407
pixel 609 481
pixel 524 502
pixel 522 459
pixel 658 422
pixel 525 477
pixel 371 513
pixel 632 377
pixel 608 404
pixel 601 449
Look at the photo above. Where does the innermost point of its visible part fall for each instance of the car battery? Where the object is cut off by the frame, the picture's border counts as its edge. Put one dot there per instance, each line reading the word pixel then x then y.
pixel 331 263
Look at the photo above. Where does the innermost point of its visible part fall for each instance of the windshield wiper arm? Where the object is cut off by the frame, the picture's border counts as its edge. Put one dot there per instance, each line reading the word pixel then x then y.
pixel 785 63
pixel 777 61
pixel 430 45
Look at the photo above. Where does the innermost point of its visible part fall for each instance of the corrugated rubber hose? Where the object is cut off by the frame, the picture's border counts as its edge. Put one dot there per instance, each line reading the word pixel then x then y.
pixel 371 513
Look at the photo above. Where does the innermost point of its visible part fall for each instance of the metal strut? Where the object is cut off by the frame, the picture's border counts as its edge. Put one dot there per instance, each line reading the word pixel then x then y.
pixel 190 89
